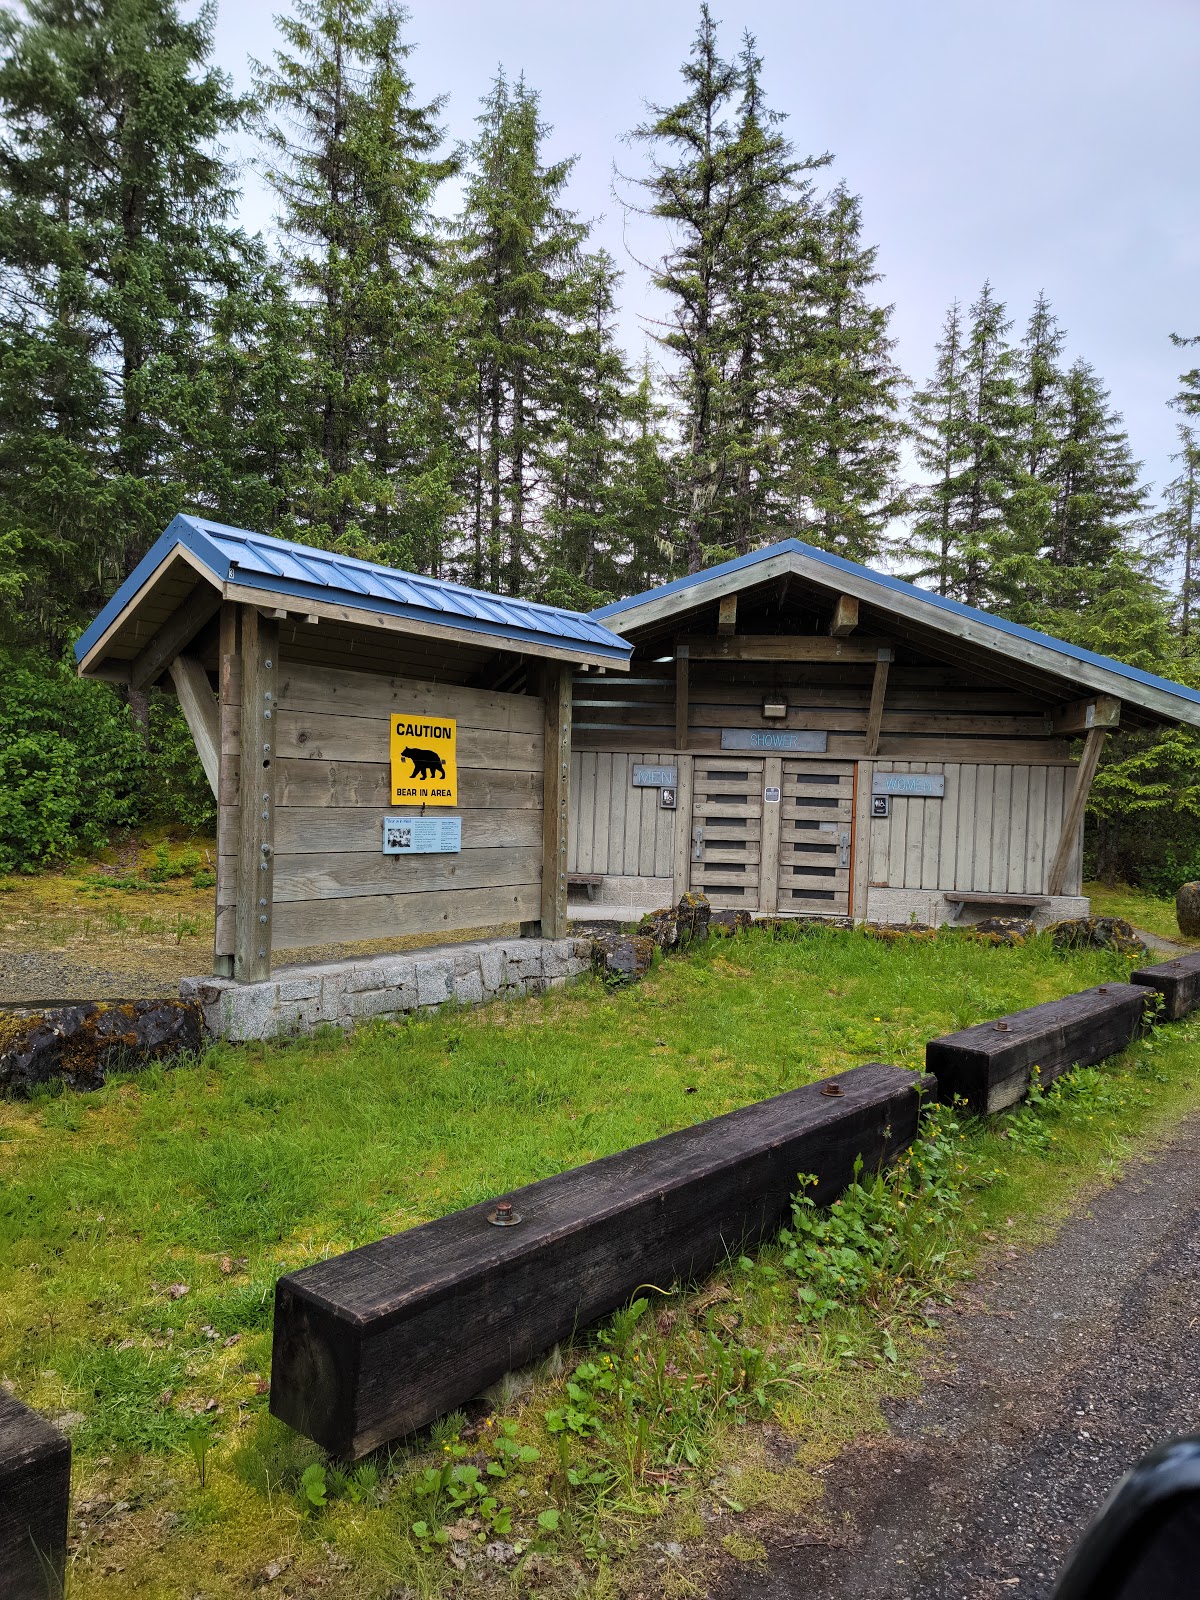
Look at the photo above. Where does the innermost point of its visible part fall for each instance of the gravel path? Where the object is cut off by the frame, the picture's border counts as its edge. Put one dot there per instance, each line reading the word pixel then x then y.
pixel 1076 1359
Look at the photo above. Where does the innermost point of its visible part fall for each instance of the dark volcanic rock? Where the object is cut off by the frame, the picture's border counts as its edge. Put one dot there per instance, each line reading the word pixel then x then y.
pixel 1187 910
pixel 622 958
pixel 1098 933
pixel 79 1044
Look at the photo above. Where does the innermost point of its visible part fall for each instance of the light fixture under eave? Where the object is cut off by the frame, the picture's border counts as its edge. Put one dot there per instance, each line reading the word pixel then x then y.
pixel 774 706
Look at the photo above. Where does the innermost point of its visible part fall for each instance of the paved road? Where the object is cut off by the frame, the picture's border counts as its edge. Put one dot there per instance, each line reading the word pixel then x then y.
pixel 1082 1356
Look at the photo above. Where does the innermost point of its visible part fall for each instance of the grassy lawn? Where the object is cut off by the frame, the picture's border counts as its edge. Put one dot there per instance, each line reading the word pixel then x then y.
pixel 142 1229
pixel 1136 906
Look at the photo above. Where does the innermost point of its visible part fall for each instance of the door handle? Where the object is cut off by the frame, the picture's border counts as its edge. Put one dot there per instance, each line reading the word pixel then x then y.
pixel 698 843
pixel 843 849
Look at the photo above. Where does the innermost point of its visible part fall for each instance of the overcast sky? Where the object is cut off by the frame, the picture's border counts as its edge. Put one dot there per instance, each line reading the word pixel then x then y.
pixel 1042 143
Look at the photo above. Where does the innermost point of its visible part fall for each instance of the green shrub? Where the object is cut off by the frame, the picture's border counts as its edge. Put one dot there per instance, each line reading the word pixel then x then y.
pixel 72 763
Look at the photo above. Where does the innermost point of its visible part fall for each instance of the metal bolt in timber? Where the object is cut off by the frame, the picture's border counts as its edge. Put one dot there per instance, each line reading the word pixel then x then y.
pixel 832 1090
pixel 502 1215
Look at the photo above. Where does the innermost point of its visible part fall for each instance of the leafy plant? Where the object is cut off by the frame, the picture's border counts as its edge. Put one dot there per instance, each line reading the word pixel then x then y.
pixel 313 1485
pixel 197 1440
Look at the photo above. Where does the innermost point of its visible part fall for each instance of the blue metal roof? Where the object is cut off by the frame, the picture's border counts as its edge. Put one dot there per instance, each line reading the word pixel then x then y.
pixel 286 570
pixel 910 591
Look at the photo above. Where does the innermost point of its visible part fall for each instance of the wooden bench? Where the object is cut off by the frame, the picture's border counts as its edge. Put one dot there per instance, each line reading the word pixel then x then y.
pixel 590 881
pixel 378 1342
pixel 35 1496
pixel 989 1065
pixel 1004 902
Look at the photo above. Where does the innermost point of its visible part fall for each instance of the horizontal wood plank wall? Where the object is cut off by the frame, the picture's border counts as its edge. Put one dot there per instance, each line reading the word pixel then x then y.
pixel 333 884
pixel 614 828
pixel 995 831
pixel 929 711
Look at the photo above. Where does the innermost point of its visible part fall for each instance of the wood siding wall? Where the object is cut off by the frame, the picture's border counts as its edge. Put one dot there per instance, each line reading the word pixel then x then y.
pixel 930 711
pixel 615 828
pixel 332 883
pixel 995 831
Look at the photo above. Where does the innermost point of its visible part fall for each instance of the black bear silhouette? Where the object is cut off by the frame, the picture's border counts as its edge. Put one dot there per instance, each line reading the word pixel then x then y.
pixel 425 763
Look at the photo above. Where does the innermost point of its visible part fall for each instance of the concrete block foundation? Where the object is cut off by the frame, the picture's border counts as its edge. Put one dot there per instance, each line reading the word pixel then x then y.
pixel 341 993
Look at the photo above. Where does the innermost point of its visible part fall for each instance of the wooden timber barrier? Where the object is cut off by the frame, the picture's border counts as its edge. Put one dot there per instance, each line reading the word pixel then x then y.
pixel 989 1066
pixel 35 1490
pixel 1177 981
pixel 378 1342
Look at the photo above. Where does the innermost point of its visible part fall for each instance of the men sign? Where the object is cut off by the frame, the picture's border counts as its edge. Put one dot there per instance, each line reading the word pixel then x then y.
pixel 424 760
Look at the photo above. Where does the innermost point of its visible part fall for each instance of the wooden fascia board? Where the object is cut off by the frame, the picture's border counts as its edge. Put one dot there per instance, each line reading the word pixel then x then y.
pixel 700 594
pixel 96 653
pixel 363 617
pixel 1041 657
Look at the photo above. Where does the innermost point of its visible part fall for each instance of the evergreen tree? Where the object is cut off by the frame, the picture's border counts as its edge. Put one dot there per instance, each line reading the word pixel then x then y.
pixel 1031 507
pixel 355 168
pixel 838 412
pixel 1176 536
pixel 968 425
pixel 116 248
pixel 523 292
pixel 1188 398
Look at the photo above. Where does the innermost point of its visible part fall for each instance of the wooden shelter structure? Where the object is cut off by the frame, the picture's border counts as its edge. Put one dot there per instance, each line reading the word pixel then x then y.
pixel 802 735
pixel 302 669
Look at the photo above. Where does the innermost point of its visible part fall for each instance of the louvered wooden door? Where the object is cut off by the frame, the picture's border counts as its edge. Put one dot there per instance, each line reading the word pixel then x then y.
pixel 816 837
pixel 727 824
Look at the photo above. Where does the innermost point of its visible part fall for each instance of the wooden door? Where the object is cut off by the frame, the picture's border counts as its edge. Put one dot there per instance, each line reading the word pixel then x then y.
pixel 726 831
pixel 816 837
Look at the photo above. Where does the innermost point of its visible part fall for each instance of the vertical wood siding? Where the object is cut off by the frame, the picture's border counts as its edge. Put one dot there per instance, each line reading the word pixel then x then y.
pixel 995 831
pixel 616 829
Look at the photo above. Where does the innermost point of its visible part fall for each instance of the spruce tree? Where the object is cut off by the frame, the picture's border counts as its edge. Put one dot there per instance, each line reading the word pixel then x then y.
pixel 941 443
pixel 522 291
pixel 355 165
pixel 838 406
pixel 1176 536
pixel 117 245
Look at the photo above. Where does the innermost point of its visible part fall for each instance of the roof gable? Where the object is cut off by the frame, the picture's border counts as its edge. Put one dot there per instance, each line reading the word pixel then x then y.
pixel 1162 698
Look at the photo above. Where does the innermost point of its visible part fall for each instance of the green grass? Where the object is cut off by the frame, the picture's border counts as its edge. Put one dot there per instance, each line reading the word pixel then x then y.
pixel 1135 905
pixel 220 1175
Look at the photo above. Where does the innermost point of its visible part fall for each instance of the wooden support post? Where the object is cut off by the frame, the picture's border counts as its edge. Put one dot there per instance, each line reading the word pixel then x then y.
pixel 682 657
pixel 199 709
pixel 727 614
pixel 883 661
pixel 256 798
pixel 1093 746
pixel 845 616
pixel 1081 716
pixel 555 799
pixel 772 823
pixel 681 874
pixel 229 711
pixel 375 1344
pixel 176 633
pixel 35 1500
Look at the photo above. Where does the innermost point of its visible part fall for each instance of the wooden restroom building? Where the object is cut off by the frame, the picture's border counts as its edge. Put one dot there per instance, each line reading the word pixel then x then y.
pixel 801 735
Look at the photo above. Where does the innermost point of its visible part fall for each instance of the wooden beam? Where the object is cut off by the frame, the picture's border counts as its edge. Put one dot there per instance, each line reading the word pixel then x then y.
pixel 230 714
pixel 378 1342
pixel 990 1064
pixel 555 799
pixel 1081 716
pixel 176 633
pixel 199 707
pixel 681 855
pixel 253 917
pixel 682 658
pixel 727 614
pixel 768 860
pixel 883 662
pixel 35 1500
pixel 781 647
pixel 1178 982
pixel 845 616
pixel 1093 746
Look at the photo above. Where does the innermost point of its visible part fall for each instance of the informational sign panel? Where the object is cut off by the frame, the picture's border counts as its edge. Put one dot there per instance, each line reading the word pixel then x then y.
pixel 424 760
pixel 422 836
pixel 929 785
pixel 774 739
pixel 655 777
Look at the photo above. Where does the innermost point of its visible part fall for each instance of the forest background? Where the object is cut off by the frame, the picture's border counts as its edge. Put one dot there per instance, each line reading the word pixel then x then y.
pixel 444 390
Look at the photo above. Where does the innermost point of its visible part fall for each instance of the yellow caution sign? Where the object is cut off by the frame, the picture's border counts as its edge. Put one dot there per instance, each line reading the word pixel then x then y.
pixel 424 760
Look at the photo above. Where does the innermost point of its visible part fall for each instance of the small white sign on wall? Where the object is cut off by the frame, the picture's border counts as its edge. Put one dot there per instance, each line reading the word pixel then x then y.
pixel 422 836
pixel 929 785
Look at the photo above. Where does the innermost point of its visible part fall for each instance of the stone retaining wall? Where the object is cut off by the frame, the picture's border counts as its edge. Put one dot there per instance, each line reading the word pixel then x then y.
pixel 299 999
